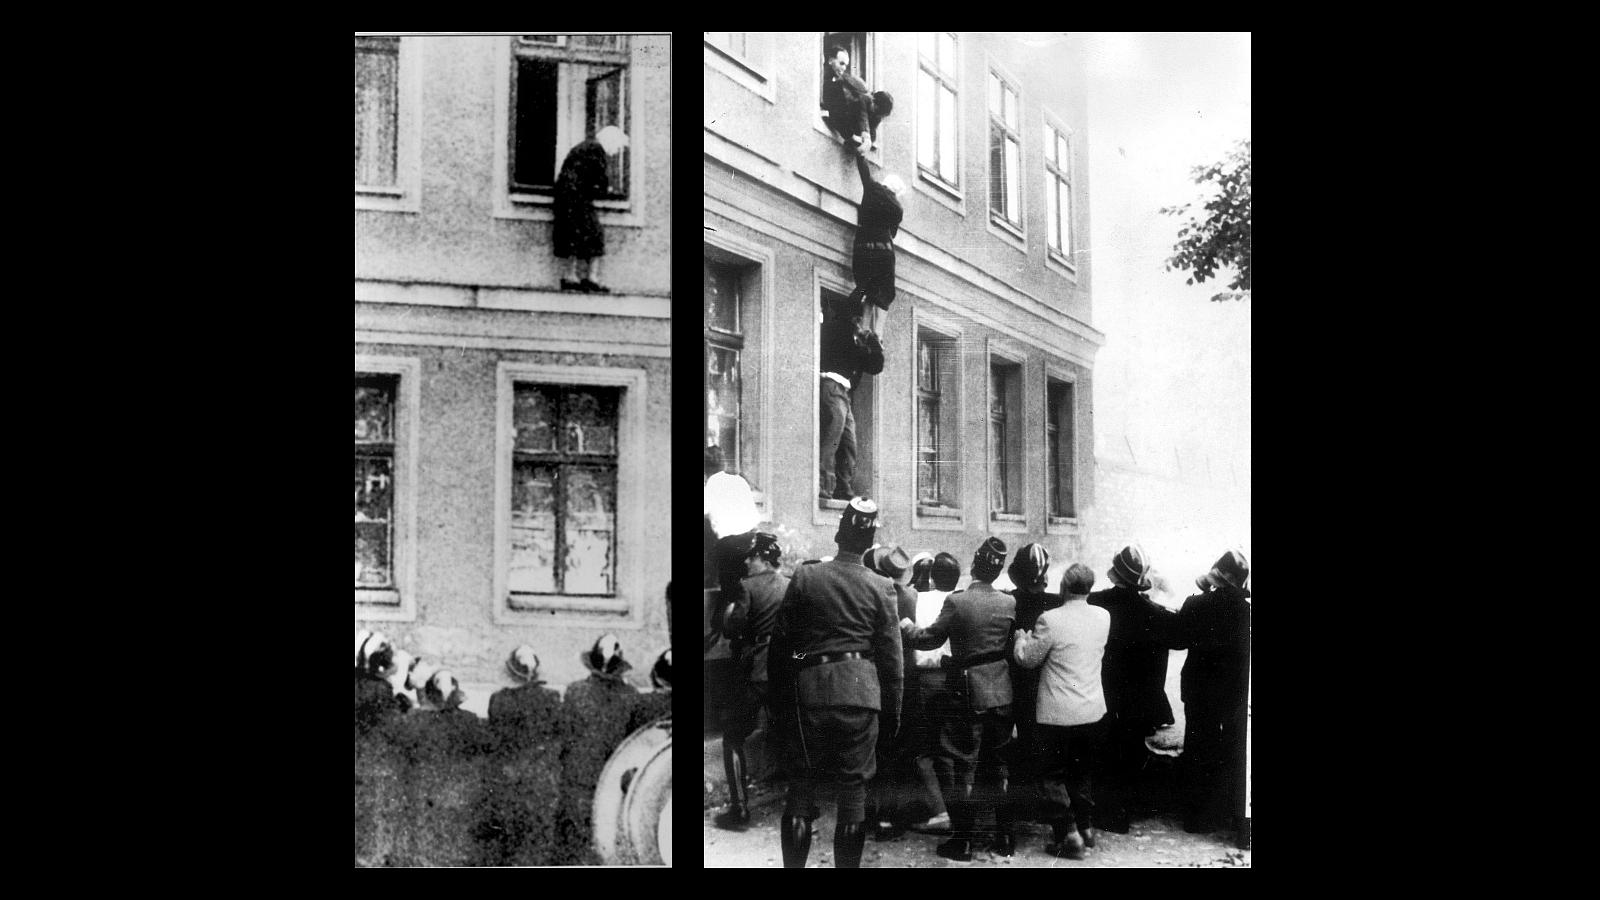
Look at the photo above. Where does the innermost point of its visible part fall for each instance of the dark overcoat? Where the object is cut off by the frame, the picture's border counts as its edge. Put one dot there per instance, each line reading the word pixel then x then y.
pixel 447 755
pixel 530 727
pixel 583 180
pixel 599 708
pixel 1133 672
pixel 750 622
pixel 1215 626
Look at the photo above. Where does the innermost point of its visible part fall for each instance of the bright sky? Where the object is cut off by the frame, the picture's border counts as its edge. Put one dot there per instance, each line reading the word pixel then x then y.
pixel 1175 366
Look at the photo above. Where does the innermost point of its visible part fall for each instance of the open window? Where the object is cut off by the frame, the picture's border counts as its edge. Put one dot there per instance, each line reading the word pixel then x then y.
pixel 1060 448
pixel 564 89
pixel 862 395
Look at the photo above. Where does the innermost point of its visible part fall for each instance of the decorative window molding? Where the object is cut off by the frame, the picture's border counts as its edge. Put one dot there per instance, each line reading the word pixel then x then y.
pixel 398 602
pixel 622 607
pixel 402 192
pixel 757 267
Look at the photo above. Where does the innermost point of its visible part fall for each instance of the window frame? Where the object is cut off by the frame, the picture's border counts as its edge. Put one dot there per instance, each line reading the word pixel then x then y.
pixel 1014 233
pixel 933 184
pixel 753 71
pixel 935 518
pixel 1017 362
pixel 1062 260
pixel 405 195
pixel 757 386
pixel 624 608
pixel 398 604
pixel 825 512
pixel 1056 374
pixel 540 207
pixel 872 53
pixel 736 342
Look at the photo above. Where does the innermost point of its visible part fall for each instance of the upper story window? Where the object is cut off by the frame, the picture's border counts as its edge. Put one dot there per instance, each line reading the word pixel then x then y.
pixel 724 337
pixel 377 111
pixel 375 485
pixel 565 88
pixel 1058 190
pixel 937 95
pixel 733 43
pixel 1005 152
pixel 745 57
pixel 564 490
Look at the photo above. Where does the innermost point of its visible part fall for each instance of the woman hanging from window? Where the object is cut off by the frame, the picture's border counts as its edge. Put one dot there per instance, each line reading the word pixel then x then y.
pixel 578 237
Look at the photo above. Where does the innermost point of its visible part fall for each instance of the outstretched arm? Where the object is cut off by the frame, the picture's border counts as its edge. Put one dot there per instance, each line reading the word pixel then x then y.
pixel 866 173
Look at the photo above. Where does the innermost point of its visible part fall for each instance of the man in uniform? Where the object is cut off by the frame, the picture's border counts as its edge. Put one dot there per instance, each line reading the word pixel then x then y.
pixel 1215 625
pixel 977 720
pixel 749 623
pixel 834 665
pixel 1134 676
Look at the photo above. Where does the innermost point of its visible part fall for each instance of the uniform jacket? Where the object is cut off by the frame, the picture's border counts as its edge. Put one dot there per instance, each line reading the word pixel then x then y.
pixel 1069 642
pixel 1134 672
pixel 836 607
pixel 750 623
pixel 1215 626
pixel 976 621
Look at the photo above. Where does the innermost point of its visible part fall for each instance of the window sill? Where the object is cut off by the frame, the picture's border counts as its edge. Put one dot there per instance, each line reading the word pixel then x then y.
pixel 938 518
pixel 377 597
pixel 1062 525
pixel 541 208
pixel 832 504
pixel 554 603
pixel 1058 262
pixel 874 156
pixel 949 197
pixel 1010 523
pixel 1008 232
pixel 946 512
pixel 386 200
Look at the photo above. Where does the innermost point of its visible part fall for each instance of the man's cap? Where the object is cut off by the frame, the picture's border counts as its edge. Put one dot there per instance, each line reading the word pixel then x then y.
pixel 860 515
pixel 765 546
pixel 990 556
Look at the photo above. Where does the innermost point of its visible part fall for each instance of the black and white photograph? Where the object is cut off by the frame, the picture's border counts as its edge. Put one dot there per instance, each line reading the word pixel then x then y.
pixel 976 452
pixel 512 423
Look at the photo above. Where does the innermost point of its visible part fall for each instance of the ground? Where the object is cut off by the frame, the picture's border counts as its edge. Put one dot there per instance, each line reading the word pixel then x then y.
pixel 1153 842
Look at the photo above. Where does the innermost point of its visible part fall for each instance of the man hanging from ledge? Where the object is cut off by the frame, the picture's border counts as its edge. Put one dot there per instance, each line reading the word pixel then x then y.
pixel 849 351
pixel 877 222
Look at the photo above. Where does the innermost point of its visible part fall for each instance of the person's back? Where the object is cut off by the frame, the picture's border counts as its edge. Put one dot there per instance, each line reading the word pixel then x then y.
pixel 1137 648
pixel 1215 626
pixel 1070 692
pixel 598 709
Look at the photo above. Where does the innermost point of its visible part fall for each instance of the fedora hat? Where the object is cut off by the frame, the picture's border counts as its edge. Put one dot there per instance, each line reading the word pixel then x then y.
pixel 990 558
pixel 1231 569
pixel 1030 566
pixel 896 564
pixel 605 657
pixel 1130 568
pixel 523 664
pixel 871 557
pixel 661 672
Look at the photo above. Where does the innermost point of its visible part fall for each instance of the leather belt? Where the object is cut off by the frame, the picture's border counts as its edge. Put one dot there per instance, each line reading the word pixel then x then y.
pixel 978 659
pixel 875 245
pixel 806 661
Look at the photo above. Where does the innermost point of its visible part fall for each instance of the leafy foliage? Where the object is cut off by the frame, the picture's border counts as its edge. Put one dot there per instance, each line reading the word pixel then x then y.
pixel 1221 239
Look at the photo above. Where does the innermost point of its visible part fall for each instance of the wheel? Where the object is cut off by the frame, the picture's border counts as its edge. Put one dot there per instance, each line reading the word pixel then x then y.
pixel 634 788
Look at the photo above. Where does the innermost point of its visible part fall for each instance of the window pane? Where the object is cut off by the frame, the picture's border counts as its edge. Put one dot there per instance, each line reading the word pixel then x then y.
pixel 927 124
pixel 590 497
pixel 1049 144
pixel 925 46
pixel 553 40
pixel 533 528
pixel 589 420
pixel 605 104
pixel 374 494
pixel 927 372
pixel 1051 210
pixel 374 412
pixel 947 135
pixel 1065 192
pixel 1013 181
pixel 534 162
pixel 374 488
pixel 372 555
pixel 997 467
pixel 533 417
pixel 997 169
pixel 721 297
pixel 994 93
pixel 1010 99
pixel 928 425
pixel 377 101
pixel 947 52
pixel 722 401
pixel 1063 156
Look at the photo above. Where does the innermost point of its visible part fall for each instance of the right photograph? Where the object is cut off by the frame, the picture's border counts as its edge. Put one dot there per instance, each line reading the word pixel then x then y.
pixel 976 450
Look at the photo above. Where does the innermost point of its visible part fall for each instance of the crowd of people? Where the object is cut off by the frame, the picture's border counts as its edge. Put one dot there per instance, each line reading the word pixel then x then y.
pixel 438 786
pixel 962 713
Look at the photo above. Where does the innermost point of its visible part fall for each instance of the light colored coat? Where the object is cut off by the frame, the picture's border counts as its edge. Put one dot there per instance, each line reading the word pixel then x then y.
pixel 1069 641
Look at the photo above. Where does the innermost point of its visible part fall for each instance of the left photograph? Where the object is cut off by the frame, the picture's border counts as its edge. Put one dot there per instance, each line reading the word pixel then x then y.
pixel 513 385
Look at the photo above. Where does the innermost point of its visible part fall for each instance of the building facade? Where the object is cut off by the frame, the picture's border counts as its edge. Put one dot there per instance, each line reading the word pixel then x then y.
pixel 982 420
pixel 509 434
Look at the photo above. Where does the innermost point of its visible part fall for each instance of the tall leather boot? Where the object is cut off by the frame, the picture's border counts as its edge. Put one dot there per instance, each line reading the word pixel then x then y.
pixel 737 816
pixel 796 837
pixel 847 843
pixel 959 847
